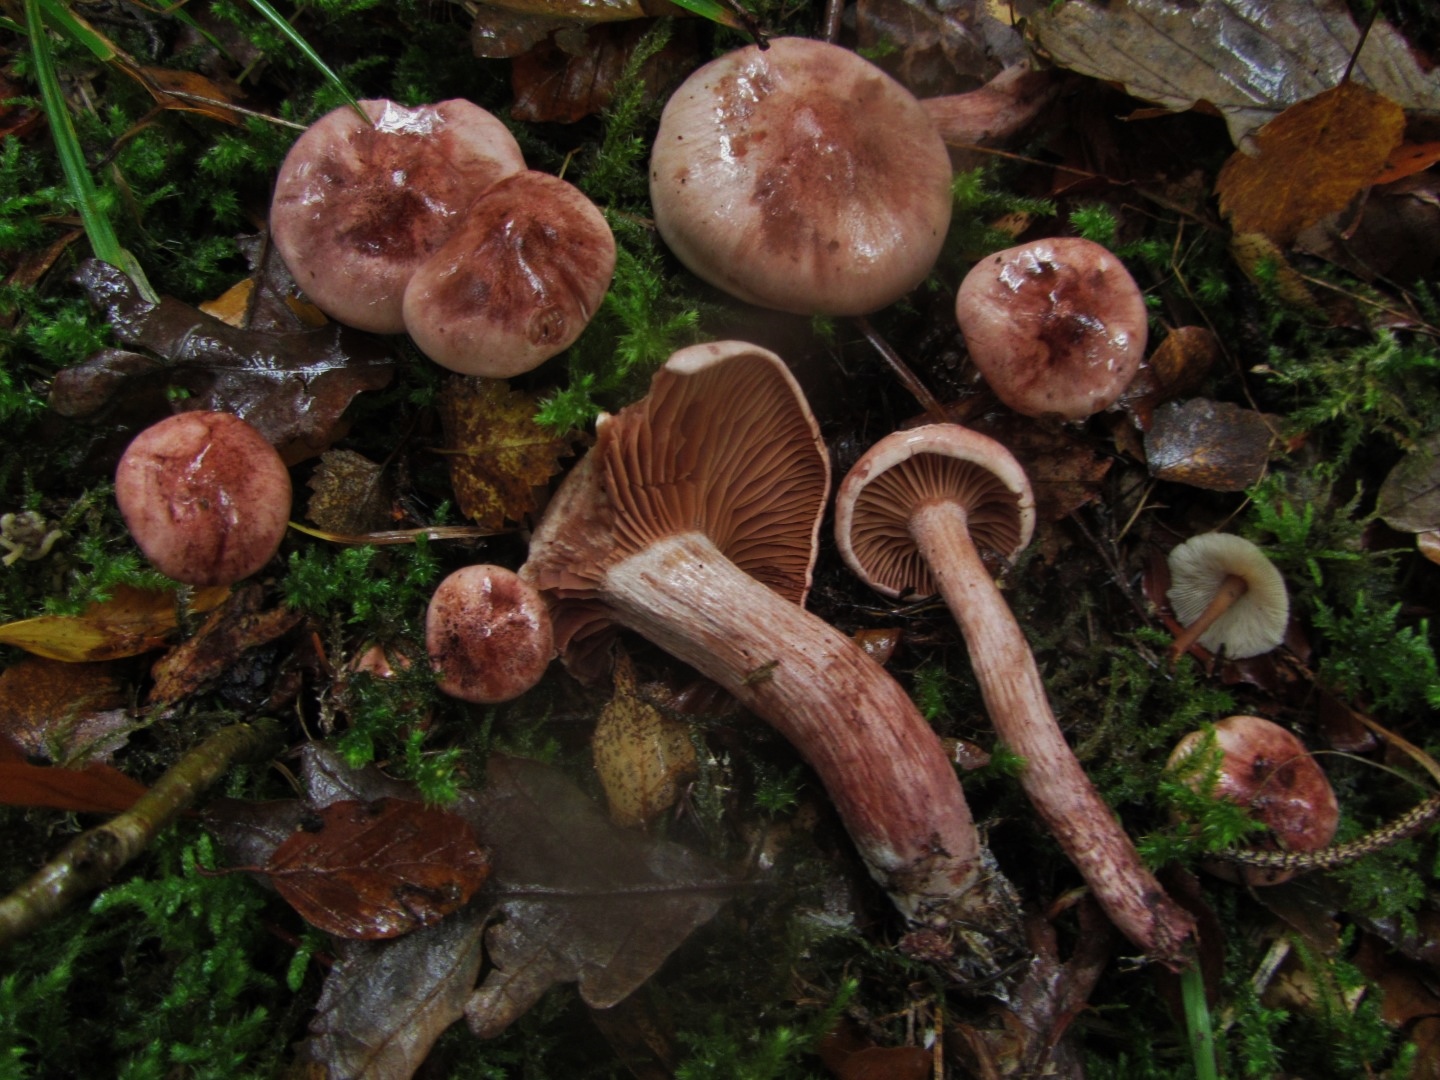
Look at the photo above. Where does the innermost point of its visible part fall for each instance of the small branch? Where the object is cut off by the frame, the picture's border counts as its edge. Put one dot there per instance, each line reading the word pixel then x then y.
pixel 93 857
pixel 907 378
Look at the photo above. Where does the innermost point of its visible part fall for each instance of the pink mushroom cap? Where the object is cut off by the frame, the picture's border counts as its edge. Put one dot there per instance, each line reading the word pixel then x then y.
pixel 1057 327
pixel 358 208
pixel 206 498
pixel 516 283
pixel 801 177
pixel 488 634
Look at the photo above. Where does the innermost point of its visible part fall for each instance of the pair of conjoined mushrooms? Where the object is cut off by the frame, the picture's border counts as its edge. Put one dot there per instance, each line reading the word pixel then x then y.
pixel 694 520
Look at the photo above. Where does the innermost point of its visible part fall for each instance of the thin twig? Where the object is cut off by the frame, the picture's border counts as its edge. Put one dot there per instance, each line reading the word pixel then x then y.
pixel 93 857
pixel 902 371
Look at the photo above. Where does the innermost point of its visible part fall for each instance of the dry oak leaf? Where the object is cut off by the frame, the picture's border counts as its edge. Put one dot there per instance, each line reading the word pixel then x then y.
pixel 641 755
pixel 377 869
pixel 1310 161
pixel 131 622
pixel 498 454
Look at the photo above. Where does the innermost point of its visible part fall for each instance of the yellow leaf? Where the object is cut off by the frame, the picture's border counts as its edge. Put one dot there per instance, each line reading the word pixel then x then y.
pixel 131 622
pixel 499 455
pixel 641 755
pixel 1312 159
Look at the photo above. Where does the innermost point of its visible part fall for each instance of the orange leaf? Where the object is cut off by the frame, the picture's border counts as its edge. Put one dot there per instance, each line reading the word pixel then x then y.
pixel 1407 159
pixel 95 789
pixel 131 622
pixel 1312 160
pixel 368 870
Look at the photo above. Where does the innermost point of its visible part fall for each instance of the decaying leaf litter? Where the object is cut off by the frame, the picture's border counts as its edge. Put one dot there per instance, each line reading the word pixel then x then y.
pixel 1287 395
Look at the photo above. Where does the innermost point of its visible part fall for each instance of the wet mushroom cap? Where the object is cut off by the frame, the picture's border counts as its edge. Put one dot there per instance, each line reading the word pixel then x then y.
pixel 801 177
pixel 357 209
pixel 1057 327
pixel 913 468
pixel 488 634
pixel 205 496
pixel 1268 771
pixel 1255 623
pixel 516 283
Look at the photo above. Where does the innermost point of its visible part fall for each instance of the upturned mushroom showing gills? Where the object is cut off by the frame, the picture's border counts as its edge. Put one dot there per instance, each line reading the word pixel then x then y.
pixel 801 177
pixel 913 518
pixel 516 282
pixel 693 522
pixel 206 498
pixel 1056 327
pixel 1267 771
pixel 358 208
pixel 1228 595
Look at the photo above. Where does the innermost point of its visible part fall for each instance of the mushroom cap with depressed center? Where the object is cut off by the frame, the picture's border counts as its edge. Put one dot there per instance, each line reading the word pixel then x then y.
pixel 488 634
pixel 1057 327
pixel 206 498
pixel 516 283
pixel 801 177
pixel 1268 771
pixel 725 445
pixel 358 208
pixel 917 467
pixel 1255 623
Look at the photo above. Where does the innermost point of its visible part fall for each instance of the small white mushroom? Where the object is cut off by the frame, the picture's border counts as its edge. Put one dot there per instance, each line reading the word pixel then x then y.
pixel 1228 595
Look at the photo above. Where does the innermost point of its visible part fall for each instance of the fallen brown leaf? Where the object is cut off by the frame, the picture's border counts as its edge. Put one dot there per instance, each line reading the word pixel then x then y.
pixel 1213 445
pixel 131 622
pixel 641 756
pixel 498 455
pixel 63 712
pixel 378 869
pixel 1310 161
pixel 230 630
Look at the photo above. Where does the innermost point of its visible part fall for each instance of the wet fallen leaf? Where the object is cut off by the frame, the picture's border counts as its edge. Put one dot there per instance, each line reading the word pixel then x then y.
pixel 563 83
pixel 571 897
pixel 186 91
pixel 1409 499
pixel 498 455
pixel 641 756
pixel 1178 366
pixel 64 713
pixel 94 789
pixel 938 48
pixel 1262 260
pixel 292 385
pixel 378 869
pixel 233 628
pixel 1220 54
pixel 849 1055
pixel 131 622
pixel 1393 233
pixel 1213 445
pixel 1309 161
pixel 1407 159
pixel 351 494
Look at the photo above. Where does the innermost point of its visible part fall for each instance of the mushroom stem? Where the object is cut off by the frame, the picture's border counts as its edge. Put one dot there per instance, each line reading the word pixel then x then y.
pixel 882 764
pixel 1231 589
pixel 1052 777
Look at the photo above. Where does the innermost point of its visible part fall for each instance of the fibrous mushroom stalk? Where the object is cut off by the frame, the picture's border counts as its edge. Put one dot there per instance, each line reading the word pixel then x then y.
pixel 1053 779
pixel 881 763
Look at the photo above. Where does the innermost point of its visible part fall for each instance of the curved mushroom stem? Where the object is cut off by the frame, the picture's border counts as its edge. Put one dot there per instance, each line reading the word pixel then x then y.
pixel 1052 777
pixel 881 763
pixel 1231 589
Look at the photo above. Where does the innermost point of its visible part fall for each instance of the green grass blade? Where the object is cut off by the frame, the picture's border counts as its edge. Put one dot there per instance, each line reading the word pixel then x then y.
pixel 293 36
pixel 103 240
pixel 710 9
pixel 1197 1022
pixel 67 25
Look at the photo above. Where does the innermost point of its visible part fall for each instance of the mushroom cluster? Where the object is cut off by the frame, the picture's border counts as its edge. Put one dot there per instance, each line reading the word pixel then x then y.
pixel 427 220
pixel 693 521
